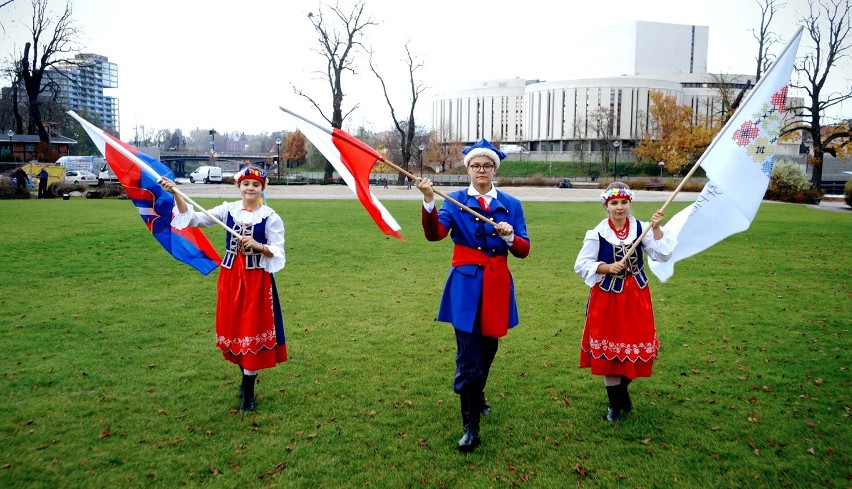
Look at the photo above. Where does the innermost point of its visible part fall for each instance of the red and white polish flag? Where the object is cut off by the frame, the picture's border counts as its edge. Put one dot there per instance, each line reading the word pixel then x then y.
pixel 353 160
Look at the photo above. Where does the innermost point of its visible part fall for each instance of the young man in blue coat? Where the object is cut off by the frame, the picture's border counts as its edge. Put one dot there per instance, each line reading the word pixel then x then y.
pixel 479 297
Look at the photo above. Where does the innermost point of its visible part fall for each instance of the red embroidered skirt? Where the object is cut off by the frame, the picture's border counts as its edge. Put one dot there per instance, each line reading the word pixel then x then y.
pixel 619 337
pixel 249 325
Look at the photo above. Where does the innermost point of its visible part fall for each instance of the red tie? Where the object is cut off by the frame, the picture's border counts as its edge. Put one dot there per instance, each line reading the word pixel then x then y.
pixel 482 203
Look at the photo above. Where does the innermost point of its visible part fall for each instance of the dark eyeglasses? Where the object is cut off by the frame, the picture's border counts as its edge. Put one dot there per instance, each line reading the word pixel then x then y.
pixel 478 168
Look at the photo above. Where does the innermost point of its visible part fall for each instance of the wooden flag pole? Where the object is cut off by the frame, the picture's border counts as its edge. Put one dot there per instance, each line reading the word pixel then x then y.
pixel 663 209
pixel 442 194
pixel 205 212
pixel 394 166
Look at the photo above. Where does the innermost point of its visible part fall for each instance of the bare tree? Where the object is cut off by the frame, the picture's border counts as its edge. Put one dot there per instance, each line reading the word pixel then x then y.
pixel 405 128
pixel 337 46
pixel 728 96
pixel 52 38
pixel 828 25
pixel 444 148
pixel 765 38
pixel 603 119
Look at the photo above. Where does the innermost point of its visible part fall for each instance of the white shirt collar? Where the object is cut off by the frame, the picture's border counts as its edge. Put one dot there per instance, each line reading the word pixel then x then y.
pixel 491 194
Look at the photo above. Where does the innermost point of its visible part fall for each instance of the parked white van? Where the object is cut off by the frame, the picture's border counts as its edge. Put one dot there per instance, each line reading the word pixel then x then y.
pixel 206 174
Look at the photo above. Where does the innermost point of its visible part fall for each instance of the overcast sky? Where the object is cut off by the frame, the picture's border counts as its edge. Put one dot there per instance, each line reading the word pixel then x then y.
pixel 229 65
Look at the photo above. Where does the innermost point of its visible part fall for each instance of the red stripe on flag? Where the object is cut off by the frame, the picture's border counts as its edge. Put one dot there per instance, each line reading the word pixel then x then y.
pixel 359 159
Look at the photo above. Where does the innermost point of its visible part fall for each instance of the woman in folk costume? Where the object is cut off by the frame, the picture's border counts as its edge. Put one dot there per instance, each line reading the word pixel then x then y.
pixel 479 296
pixel 619 338
pixel 249 324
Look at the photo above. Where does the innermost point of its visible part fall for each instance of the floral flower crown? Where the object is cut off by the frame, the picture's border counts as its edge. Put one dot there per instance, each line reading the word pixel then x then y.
pixel 616 193
pixel 252 173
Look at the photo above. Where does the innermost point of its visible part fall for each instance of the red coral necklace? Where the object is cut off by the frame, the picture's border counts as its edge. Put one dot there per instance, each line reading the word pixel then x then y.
pixel 620 233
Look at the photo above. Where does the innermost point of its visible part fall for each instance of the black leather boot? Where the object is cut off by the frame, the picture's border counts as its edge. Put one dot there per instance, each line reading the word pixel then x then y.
pixel 613 392
pixel 626 403
pixel 247 387
pixel 470 408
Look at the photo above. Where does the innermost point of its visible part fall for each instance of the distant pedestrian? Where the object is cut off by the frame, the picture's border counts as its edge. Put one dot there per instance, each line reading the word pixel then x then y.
pixel 619 337
pixel 21 178
pixel 103 176
pixel 249 324
pixel 42 183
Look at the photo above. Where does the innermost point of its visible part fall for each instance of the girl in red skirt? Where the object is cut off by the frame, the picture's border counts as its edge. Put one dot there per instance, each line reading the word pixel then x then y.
pixel 619 338
pixel 249 324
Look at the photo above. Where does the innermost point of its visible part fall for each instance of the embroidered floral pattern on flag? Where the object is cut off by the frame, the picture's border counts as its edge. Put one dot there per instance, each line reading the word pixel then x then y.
pixel 746 133
pixel 759 135
pixel 779 100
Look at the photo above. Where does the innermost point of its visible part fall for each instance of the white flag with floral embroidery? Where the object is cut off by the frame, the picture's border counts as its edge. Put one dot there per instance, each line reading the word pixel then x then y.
pixel 738 164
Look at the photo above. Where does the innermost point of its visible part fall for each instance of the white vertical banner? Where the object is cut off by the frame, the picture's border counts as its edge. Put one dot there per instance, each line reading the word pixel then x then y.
pixel 738 164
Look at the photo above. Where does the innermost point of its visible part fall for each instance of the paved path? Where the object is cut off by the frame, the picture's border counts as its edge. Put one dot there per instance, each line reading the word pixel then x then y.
pixel 540 194
pixel 527 194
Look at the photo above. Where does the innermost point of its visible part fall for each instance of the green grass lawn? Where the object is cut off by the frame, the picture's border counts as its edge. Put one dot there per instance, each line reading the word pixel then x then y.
pixel 110 376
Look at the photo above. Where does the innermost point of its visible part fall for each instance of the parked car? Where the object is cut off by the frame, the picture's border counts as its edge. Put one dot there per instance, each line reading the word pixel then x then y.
pixel 81 176
pixel 206 174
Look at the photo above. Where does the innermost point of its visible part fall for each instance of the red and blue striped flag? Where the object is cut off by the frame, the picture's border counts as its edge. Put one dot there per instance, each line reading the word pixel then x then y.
pixel 154 204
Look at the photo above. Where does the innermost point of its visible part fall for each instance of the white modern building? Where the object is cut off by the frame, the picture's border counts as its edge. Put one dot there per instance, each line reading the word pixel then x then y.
pixel 565 115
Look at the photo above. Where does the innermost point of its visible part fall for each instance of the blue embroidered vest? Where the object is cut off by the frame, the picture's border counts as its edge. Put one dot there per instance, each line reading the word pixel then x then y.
pixel 252 256
pixel 609 253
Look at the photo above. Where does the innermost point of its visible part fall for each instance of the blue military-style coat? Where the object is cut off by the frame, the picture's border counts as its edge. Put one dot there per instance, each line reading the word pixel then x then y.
pixel 463 291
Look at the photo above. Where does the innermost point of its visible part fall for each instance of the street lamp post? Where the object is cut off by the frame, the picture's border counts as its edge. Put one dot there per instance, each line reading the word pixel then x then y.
pixel 421 148
pixel 615 160
pixel 662 164
pixel 278 163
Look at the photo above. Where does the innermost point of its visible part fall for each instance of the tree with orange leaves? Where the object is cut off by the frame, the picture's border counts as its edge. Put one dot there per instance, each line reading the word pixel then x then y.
pixel 673 136
pixel 294 148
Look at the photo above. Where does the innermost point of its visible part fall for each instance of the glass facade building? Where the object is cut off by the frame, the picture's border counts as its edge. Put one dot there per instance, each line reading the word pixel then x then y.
pixel 81 83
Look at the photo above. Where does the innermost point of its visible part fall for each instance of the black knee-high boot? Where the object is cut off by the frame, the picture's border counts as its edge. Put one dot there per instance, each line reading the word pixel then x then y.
pixel 613 392
pixel 626 403
pixel 248 393
pixel 470 408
